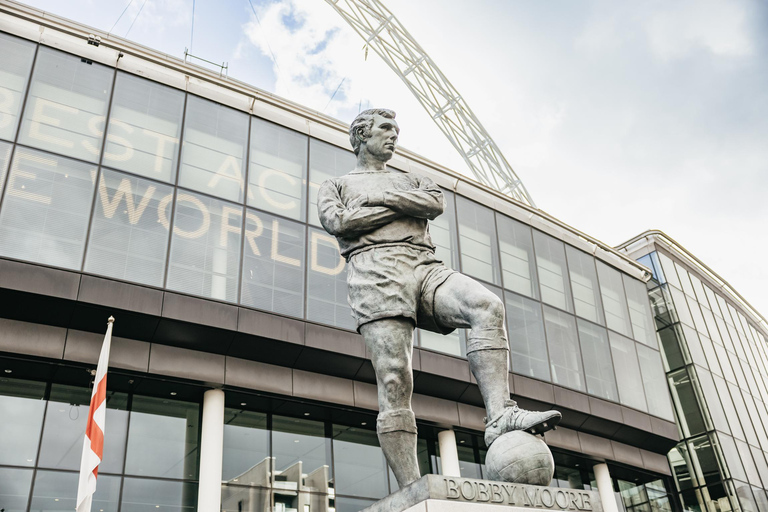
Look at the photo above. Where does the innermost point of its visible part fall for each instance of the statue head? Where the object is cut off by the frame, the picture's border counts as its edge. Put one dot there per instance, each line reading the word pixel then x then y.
pixel 361 128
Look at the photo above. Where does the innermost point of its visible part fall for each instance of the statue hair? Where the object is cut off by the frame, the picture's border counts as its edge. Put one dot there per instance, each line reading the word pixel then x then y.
pixel 360 129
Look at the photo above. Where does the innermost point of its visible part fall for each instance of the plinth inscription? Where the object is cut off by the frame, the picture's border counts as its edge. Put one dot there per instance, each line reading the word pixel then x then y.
pixel 477 491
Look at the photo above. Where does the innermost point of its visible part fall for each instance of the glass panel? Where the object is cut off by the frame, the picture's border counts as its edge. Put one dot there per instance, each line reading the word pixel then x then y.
pixel 639 311
pixel 681 306
pixel 246 448
pixel 553 271
pixel 65 422
pixel 698 319
pixel 743 415
pixel 452 343
pixel 444 234
pixel 57 490
pixel 16 56
pixel 478 241
pixel 518 263
pixel 528 347
pixel 14 488
pixel 670 344
pixel 598 365
pixel 21 407
pixel 656 389
pixel 46 209
pixel 205 247
pixel 694 346
pixel 301 448
pixel 144 128
pixel 686 400
pixel 669 269
pixel 5 153
pixel 359 465
pixel 728 408
pixel 352 504
pixel 325 162
pixel 129 230
pixel 685 281
pixel 709 351
pixel 214 150
pixel 277 179
pixel 163 438
pixel 712 401
pixel 614 301
pixel 273 265
pixel 749 464
pixel 705 460
pixel 731 455
pixel 327 282
pixel 141 495
pixel 586 293
pixel 564 353
pixel 67 105
pixel 626 365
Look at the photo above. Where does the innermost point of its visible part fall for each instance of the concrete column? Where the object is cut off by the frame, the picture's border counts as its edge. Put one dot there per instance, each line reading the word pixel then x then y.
pixel 211 452
pixel 605 487
pixel 449 454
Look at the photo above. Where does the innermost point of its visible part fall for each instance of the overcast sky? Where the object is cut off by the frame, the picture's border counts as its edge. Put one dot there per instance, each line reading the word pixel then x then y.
pixel 618 116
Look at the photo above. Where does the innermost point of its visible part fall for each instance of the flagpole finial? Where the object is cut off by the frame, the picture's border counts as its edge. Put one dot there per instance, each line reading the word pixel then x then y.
pixel 111 319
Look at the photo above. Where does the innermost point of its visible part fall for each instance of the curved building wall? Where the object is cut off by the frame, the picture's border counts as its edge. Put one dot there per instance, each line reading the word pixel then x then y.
pixel 187 208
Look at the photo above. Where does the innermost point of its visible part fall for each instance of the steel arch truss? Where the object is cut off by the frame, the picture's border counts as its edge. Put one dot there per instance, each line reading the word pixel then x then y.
pixel 391 41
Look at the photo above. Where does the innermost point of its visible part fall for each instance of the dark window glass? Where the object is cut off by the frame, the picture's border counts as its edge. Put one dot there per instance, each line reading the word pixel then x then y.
pixel 586 292
pixel 57 490
pixel 444 233
pixel 686 400
pixel 273 264
pixel 46 209
pixel 140 495
pixel 14 488
pixel 163 438
pixel 325 162
pixel 15 62
pixel 598 366
pixel 21 408
pixel 352 504
pixel 656 389
pixel 518 263
pixel 246 448
pixel 478 241
pixel 214 149
pixel 327 282
pixel 670 347
pixel 65 423
pixel 359 465
pixel 564 353
pixel 67 105
pixel 626 366
pixel 528 346
pixel 278 169
pixel 144 128
pixel 302 454
pixel 614 300
pixel 553 271
pixel 205 247
pixel 129 230
pixel 705 460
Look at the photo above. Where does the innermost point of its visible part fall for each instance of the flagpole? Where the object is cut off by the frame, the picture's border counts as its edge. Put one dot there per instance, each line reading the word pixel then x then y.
pixel 93 444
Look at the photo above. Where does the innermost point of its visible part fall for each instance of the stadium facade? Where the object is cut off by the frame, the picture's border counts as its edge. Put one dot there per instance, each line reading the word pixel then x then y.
pixel 181 202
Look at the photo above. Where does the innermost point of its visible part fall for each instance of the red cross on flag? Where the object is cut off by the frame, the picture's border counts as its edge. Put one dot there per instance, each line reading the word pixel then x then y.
pixel 93 446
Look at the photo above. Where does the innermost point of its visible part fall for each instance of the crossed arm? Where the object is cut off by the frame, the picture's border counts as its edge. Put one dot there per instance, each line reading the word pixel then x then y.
pixel 377 209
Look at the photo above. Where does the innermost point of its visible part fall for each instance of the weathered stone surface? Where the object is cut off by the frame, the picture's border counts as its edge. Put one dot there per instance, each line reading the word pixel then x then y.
pixel 519 457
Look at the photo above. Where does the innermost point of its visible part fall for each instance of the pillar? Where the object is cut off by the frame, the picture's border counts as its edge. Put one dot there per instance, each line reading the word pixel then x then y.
pixel 605 487
pixel 211 452
pixel 449 454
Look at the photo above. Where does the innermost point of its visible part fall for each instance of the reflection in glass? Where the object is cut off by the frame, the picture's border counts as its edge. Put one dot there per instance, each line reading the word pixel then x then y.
pixel 14 488
pixel 359 465
pixel 302 455
pixel 163 438
pixel 586 292
pixel 643 327
pixel 626 365
pixel 144 128
pixel 478 241
pixel 518 263
pixel 452 343
pixel 235 498
pixel 527 344
pixel 16 56
pixel 443 232
pixel 5 155
pixel 65 422
pixel 553 271
pixel 656 389
pixel 352 504
pixel 564 353
pixel 325 162
pixel 128 239
pixel 278 169
pixel 214 150
pixel 598 366
pixel 685 398
pixel 246 448
pixel 21 410
pixel 205 247
pixel 614 301
pixel 141 495
pixel 46 209
pixel 327 282
pixel 67 105
pixel 57 490
pixel 273 264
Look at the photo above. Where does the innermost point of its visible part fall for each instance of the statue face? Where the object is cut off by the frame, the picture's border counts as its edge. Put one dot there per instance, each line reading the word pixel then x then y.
pixel 383 140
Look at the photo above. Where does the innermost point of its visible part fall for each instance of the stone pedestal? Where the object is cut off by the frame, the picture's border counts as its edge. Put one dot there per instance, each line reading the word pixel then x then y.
pixel 437 493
